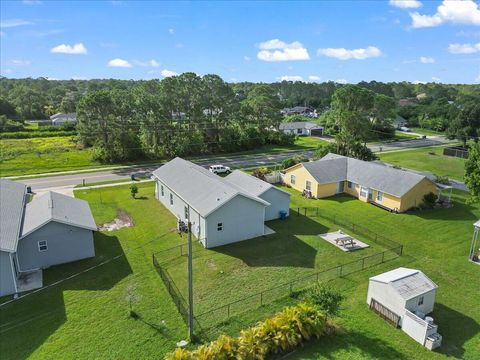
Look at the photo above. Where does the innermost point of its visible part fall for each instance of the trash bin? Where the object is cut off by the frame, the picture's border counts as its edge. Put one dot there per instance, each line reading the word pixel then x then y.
pixel 283 214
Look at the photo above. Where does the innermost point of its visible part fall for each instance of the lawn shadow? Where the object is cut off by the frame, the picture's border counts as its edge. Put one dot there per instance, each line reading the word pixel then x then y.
pixel 41 313
pixel 456 329
pixel 282 249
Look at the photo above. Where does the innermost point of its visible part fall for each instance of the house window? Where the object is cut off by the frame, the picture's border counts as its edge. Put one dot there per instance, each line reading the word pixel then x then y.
pixel 171 199
pixel 308 185
pixel 161 190
pixel 42 245
pixel 299 131
pixel 363 191
pixel 420 300
pixel 220 227
pixel 186 212
pixel 350 185
pixel 379 196
pixel 292 179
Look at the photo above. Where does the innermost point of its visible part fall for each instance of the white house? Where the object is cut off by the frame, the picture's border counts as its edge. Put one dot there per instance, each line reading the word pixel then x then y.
pixel 61 118
pixel 403 297
pixel 302 128
pixel 221 211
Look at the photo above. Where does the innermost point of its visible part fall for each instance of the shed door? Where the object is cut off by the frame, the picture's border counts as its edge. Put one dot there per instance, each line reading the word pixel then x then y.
pixel 339 187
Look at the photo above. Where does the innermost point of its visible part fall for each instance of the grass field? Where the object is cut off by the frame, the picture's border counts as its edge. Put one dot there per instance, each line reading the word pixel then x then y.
pixel 427 159
pixel 55 154
pixel 429 132
pixel 87 316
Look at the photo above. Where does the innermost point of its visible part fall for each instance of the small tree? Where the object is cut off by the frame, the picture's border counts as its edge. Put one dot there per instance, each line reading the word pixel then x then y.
pixel 132 297
pixel 429 200
pixel 260 173
pixel 133 190
pixel 325 298
pixel 472 172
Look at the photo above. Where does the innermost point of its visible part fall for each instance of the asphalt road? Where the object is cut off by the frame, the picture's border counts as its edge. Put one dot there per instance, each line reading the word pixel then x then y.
pixel 236 161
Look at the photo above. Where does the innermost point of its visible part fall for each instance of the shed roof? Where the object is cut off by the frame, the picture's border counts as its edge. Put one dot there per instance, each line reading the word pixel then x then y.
pixel 408 283
pixel 298 125
pixel 251 184
pixel 12 202
pixel 334 168
pixel 477 224
pixel 201 189
pixel 52 206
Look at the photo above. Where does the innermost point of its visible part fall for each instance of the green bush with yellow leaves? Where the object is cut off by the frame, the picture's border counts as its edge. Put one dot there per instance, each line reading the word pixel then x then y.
pixel 282 333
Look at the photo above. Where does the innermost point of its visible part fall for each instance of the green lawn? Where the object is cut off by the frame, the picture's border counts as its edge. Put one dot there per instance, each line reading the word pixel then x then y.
pixel 87 316
pixel 429 132
pixel 427 159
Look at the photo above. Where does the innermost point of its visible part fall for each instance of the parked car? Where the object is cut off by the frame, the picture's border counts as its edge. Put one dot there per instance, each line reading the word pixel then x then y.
pixel 219 169
pixel 405 129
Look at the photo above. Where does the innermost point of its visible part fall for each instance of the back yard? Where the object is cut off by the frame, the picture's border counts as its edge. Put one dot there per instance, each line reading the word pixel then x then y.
pixel 87 315
pixel 427 159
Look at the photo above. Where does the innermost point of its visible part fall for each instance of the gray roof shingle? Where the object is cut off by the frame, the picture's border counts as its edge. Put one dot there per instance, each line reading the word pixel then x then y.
pixel 251 184
pixel 12 202
pixel 334 168
pixel 201 189
pixel 52 206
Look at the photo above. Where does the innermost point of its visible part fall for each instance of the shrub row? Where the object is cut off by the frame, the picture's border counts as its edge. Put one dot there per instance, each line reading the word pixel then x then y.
pixel 36 134
pixel 282 333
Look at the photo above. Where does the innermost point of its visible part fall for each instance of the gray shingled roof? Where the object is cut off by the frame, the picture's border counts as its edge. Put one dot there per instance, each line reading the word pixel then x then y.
pixel 298 125
pixel 334 168
pixel 52 206
pixel 250 183
pixel 201 189
pixel 408 283
pixel 12 201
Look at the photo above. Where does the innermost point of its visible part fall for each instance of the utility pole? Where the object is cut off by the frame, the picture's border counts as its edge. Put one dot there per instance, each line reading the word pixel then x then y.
pixel 190 280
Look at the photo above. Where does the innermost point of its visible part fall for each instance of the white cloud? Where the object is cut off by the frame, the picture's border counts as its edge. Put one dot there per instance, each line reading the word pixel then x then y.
pixel 314 78
pixel 168 73
pixel 119 63
pixel 14 23
pixel 340 81
pixel 149 63
pixel 464 48
pixel 419 82
pixel 426 60
pixel 346 54
pixel 77 49
pixel 290 78
pixel 277 50
pixel 246 58
pixel 19 62
pixel 435 79
pixel 455 12
pixel 406 4
pixel 6 71
pixel 171 31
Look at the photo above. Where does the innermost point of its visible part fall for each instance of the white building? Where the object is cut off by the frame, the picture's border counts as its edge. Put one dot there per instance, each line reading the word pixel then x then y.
pixel 221 211
pixel 61 118
pixel 403 297
pixel 301 128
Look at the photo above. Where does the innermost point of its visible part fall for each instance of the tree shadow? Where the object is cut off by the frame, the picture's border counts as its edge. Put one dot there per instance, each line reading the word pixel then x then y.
pixel 27 322
pixel 456 329
pixel 283 249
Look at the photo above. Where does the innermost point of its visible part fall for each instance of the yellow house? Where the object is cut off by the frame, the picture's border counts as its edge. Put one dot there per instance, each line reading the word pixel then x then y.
pixel 389 188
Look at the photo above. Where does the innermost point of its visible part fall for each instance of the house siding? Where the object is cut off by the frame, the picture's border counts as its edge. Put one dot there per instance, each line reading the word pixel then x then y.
pixel 279 201
pixel 326 190
pixel 301 176
pixel 387 296
pixel 242 219
pixel 178 210
pixel 414 197
pixel 65 243
pixel 7 282
pixel 428 302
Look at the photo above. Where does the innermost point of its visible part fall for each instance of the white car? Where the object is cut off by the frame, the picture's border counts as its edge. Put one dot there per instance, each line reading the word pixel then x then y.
pixel 405 129
pixel 219 169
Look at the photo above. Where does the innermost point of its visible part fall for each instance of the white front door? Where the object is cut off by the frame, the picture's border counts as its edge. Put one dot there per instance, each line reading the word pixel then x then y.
pixel 339 187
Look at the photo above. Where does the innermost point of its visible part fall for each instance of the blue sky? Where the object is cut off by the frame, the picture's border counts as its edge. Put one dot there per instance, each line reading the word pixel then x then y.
pixel 243 41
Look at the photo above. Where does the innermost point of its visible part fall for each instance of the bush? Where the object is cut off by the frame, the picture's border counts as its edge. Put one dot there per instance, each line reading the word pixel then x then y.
pixel 293 161
pixel 281 333
pixel 325 298
pixel 442 180
pixel 429 200
pixel 260 173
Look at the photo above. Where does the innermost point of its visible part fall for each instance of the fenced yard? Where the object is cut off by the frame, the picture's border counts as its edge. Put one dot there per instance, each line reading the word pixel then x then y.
pixel 239 277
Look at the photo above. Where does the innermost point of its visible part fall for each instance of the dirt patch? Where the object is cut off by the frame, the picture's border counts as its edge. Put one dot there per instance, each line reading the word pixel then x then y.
pixel 122 220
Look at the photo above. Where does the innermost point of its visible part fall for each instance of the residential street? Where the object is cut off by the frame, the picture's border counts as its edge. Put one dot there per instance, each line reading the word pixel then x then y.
pixel 68 181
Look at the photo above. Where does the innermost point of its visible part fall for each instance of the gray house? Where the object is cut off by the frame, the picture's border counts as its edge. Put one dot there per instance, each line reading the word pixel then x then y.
pixel 279 199
pixel 50 230
pixel 221 212
pixel 302 128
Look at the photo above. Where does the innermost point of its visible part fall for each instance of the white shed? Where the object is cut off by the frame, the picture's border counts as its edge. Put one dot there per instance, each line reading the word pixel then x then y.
pixel 404 296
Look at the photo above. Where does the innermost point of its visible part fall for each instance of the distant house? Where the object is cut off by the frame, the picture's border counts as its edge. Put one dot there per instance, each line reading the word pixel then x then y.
pixel 399 122
pixel 403 297
pixel 302 128
pixel 300 110
pixel 221 210
pixel 61 118
pixel 52 229
pixel 407 102
pixel 386 187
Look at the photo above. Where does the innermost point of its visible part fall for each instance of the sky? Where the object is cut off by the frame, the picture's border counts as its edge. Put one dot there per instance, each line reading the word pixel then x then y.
pixel 343 41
